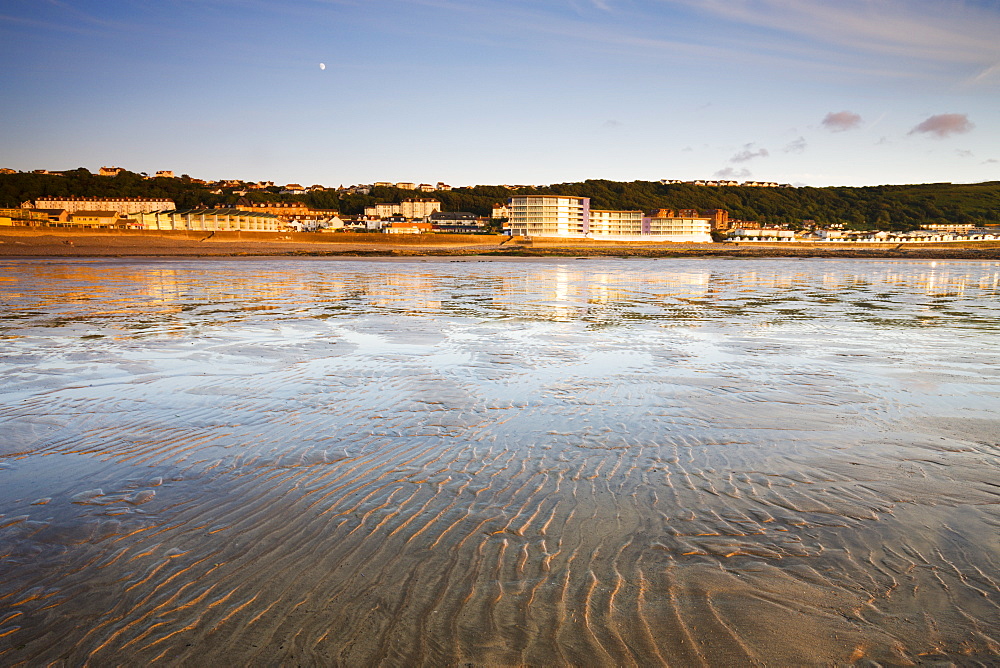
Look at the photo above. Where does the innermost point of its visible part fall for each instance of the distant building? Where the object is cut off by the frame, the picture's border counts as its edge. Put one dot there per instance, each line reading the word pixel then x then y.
pixel 110 171
pixel 549 216
pixel 718 218
pixel 761 234
pixel 96 219
pixel 211 220
pixel 123 205
pixel 419 208
pixel 678 227
pixel 613 224
pixel 443 186
pixel 408 208
pixel 55 216
pixel 572 217
pixel 33 217
pixel 384 184
pixel 426 188
pixel 7 170
pixel 949 227
pixel 286 211
pixel 456 221
pixel 406 185
pixel 165 174
pixel 293 189
pixel 408 227
pixel 382 210
pixel 500 212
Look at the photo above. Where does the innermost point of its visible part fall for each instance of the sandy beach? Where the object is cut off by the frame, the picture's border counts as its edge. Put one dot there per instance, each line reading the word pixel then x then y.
pixel 454 461
pixel 61 242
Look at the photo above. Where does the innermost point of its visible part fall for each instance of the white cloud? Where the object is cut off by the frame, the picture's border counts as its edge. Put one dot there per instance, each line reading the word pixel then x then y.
pixel 749 154
pixel 944 125
pixel 841 120
pixel 731 173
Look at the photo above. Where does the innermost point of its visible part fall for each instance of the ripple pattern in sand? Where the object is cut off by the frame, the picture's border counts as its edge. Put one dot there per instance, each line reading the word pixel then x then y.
pixel 608 463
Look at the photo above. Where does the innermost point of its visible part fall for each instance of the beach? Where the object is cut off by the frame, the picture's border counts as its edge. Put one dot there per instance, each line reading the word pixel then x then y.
pixel 65 242
pixel 541 461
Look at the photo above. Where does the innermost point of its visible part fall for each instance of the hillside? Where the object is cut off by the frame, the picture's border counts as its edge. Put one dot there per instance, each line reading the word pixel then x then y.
pixel 900 207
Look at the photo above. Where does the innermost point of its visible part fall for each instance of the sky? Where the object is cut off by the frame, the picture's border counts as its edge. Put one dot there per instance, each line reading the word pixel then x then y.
pixel 342 92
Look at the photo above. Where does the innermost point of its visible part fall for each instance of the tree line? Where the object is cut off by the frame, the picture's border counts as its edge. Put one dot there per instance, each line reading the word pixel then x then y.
pixel 888 207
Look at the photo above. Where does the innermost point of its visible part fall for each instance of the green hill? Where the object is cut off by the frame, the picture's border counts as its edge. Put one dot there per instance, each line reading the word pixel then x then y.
pixel 901 207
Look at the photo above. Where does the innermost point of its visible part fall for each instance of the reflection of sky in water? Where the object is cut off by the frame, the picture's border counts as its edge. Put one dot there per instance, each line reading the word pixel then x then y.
pixel 710 416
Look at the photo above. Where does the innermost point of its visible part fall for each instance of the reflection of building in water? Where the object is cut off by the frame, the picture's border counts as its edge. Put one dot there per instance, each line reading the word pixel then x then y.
pixel 572 217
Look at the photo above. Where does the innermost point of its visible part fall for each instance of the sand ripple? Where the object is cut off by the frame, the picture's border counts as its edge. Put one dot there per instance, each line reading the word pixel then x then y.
pixel 586 463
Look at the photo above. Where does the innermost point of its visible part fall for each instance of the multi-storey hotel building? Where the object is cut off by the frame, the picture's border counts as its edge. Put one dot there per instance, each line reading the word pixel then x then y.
pixel 549 216
pixel 572 217
pixel 613 224
pixel 123 205
pixel 408 208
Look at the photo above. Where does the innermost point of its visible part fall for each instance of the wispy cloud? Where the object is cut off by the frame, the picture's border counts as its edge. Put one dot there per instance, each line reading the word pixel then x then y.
pixel 957 32
pixel 611 123
pixel 840 121
pixel 944 125
pixel 749 154
pixel 963 153
pixel 731 173
pixel 796 146
pixel 986 74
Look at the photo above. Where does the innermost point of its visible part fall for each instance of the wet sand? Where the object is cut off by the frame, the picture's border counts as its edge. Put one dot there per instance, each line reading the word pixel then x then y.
pixel 84 243
pixel 580 462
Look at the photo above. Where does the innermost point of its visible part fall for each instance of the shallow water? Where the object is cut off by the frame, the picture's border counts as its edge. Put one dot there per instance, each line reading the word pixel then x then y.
pixel 586 462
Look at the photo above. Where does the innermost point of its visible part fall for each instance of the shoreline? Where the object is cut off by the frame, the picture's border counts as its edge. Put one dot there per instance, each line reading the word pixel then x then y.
pixel 69 243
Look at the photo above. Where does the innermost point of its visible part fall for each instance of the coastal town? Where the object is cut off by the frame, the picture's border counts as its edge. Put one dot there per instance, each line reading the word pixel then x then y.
pixel 526 213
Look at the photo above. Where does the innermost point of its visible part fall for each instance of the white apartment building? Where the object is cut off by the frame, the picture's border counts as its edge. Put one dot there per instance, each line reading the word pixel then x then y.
pixel 122 205
pixel 697 230
pixel 418 208
pixel 572 217
pixel 610 224
pixel 408 208
pixel 549 216
pixel 382 210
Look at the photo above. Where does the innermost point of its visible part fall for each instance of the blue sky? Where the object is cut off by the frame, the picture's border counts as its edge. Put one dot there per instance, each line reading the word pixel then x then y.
pixel 845 92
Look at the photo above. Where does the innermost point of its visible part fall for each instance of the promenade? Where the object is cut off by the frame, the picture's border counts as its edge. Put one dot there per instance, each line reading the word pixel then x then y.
pixel 67 242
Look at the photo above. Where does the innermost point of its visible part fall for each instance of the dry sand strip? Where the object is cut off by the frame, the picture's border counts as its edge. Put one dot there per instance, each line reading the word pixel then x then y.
pixel 94 243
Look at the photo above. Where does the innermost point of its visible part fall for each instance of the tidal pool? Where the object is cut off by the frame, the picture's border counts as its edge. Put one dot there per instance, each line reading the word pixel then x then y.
pixel 561 462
